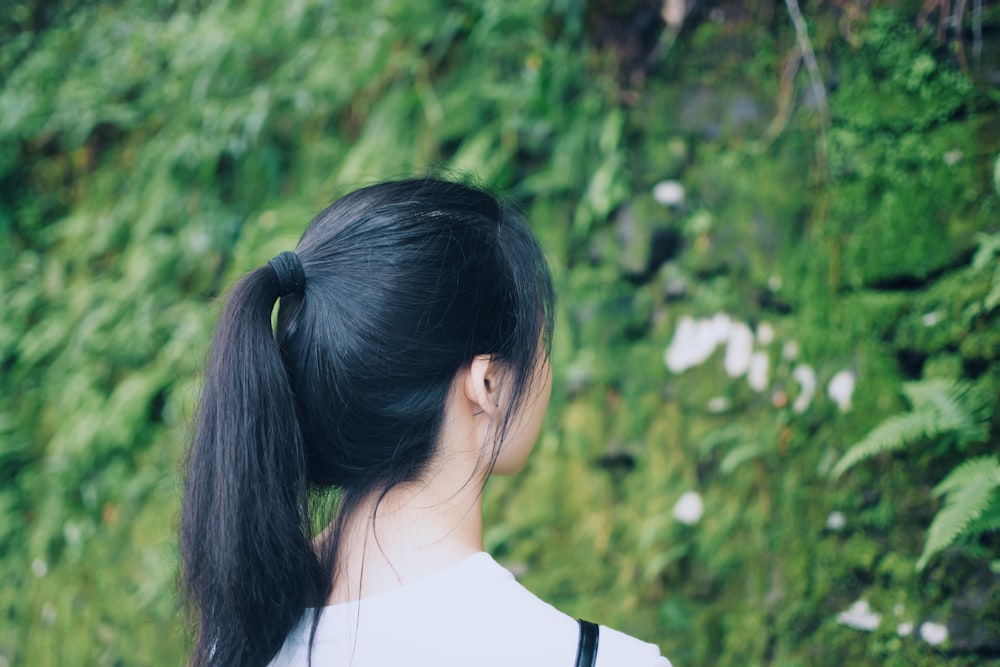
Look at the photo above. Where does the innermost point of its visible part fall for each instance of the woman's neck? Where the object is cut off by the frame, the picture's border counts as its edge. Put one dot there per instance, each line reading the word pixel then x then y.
pixel 415 530
pixel 422 527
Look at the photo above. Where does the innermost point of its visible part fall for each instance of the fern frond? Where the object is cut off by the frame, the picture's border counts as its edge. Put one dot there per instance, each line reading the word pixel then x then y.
pixel 959 406
pixel 894 433
pixel 969 489
pixel 967 410
pixel 924 394
pixel 989 522
pixel 967 472
pixel 939 407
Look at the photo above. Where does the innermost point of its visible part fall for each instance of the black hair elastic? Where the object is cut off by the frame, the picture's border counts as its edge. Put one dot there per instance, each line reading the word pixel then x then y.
pixel 288 270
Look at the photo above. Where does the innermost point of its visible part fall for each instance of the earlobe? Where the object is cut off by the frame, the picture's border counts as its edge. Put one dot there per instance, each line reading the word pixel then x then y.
pixel 479 387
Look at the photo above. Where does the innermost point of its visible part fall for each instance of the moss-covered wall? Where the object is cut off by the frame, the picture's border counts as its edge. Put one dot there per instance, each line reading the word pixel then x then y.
pixel 758 269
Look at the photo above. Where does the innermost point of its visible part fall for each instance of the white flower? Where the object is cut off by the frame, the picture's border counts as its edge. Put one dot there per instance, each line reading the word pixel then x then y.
pixel 836 521
pixel 765 333
pixel 841 388
pixel 758 376
pixel 738 350
pixel 39 567
pixel 931 318
pixel 806 377
pixel 934 634
pixel 717 328
pixel 689 508
pixel 860 617
pixel 695 340
pixel 790 351
pixel 669 193
pixel 680 354
pixel 904 629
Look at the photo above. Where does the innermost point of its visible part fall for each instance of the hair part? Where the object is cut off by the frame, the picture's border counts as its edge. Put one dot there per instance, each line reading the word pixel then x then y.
pixel 406 282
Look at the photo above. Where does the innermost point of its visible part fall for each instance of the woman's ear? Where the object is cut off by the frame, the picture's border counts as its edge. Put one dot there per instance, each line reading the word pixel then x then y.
pixel 481 385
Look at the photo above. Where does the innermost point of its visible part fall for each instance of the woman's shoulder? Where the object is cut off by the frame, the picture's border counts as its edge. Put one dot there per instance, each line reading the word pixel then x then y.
pixel 616 648
pixel 448 619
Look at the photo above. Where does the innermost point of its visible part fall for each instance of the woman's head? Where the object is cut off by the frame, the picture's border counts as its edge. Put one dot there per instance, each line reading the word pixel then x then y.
pixel 405 285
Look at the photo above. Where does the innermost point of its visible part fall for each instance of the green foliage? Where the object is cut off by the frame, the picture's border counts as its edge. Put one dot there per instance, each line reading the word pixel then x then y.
pixel 916 90
pixel 952 415
pixel 153 151
pixel 941 409
pixel 904 158
pixel 986 256
pixel 949 414
pixel 972 505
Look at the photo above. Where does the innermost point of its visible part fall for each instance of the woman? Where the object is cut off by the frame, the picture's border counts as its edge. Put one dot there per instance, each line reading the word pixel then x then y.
pixel 410 363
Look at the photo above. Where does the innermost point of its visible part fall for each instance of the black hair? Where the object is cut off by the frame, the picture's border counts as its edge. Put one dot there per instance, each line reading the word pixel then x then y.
pixel 405 282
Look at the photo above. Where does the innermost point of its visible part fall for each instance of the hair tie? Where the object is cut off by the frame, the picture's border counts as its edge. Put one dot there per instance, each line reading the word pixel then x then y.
pixel 288 270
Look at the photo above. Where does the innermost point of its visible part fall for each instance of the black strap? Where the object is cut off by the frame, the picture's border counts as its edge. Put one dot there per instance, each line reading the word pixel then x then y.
pixel 586 650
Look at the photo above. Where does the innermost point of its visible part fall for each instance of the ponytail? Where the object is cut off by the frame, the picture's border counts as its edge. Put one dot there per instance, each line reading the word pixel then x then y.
pixel 248 566
pixel 408 282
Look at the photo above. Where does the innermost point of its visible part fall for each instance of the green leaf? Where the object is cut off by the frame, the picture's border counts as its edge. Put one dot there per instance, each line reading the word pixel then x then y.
pixel 740 455
pixel 940 407
pixel 968 488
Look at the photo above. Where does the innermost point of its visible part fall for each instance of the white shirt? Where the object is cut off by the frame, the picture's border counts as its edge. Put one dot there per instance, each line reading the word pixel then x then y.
pixel 473 614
